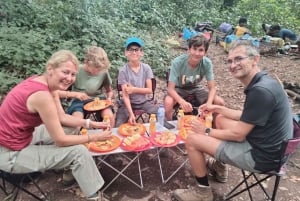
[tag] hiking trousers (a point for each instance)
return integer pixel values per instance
(42, 155)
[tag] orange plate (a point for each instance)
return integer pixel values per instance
(91, 106)
(158, 144)
(187, 119)
(141, 144)
(96, 147)
(183, 131)
(128, 129)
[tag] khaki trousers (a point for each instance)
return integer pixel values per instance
(46, 156)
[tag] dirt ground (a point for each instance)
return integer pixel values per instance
(286, 67)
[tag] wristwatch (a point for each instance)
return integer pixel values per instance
(207, 131)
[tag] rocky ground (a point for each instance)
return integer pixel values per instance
(285, 67)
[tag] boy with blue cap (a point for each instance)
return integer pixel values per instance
(135, 80)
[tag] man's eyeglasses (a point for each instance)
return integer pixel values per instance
(235, 60)
(134, 49)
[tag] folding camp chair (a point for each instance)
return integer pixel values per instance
(287, 149)
(139, 112)
(18, 182)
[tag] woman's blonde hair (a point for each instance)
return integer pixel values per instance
(96, 57)
(62, 56)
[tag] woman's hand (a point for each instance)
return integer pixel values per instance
(104, 135)
(102, 125)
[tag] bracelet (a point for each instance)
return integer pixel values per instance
(87, 123)
(88, 138)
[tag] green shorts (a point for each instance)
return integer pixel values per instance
(237, 154)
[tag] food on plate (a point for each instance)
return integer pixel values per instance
(98, 103)
(187, 120)
(165, 138)
(135, 141)
(106, 145)
(129, 129)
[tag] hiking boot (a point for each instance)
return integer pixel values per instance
(199, 193)
(217, 169)
(95, 196)
(68, 178)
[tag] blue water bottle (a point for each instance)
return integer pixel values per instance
(161, 115)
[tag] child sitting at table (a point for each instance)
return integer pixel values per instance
(135, 80)
(92, 76)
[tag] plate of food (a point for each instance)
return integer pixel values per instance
(128, 129)
(105, 145)
(164, 139)
(184, 131)
(187, 120)
(97, 104)
(135, 142)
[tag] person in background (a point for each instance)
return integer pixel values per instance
(241, 29)
(249, 139)
(91, 78)
(135, 80)
(186, 73)
(286, 34)
(31, 134)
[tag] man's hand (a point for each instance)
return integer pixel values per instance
(206, 107)
(197, 126)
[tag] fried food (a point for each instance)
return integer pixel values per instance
(165, 138)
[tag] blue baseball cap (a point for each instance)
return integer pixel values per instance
(135, 40)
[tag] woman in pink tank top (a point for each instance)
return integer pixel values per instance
(32, 110)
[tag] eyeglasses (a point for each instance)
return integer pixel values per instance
(134, 50)
(235, 60)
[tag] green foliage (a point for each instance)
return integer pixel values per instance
(32, 30)
(22, 51)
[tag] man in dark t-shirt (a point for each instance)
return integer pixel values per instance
(249, 139)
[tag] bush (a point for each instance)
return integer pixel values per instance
(32, 30)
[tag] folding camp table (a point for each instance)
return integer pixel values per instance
(101, 159)
(165, 178)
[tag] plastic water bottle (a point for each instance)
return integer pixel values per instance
(161, 115)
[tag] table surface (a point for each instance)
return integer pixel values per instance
(159, 128)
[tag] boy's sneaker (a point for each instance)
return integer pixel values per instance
(217, 169)
(199, 193)
(68, 178)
